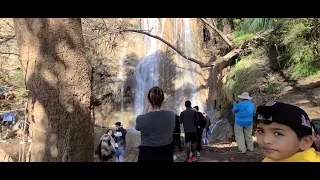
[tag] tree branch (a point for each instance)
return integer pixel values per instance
(226, 40)
(9, 53)
(6, 39)
(167, 43)
(202, 64)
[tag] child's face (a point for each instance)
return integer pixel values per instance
(277, 141)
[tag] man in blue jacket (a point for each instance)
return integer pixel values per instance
(243, 122)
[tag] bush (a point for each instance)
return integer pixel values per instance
(240, 39)
(273, 88)
(301, 55)
(243, 77)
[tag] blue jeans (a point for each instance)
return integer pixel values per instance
(120, 154)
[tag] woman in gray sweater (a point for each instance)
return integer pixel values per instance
(156, 126)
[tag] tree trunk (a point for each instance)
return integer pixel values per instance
(57, 74)
(226, 40)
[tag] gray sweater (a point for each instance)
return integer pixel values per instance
(156, 128)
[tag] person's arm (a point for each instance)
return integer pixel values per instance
(113, 142)
(196, 117)
(102, 137)
(146, 108)
(204, 122)
(207, 122)
(138, 124)
(123, 131)
(181, 118)
(235, 107)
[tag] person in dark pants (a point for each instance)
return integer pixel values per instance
(156, 126)
(200, 126)
(189, 120)
(205, 140)
(120, 138)
(177, 135)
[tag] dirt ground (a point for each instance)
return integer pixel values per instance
(12, 147)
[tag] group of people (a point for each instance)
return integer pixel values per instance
(112, 144)
(202, 125)
(284, 132)
(160, 130)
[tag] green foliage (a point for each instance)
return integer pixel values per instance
(304, 70)
(273, 88)
(253, 25)
(220, 23)
(243, 77)
(18, 79)
(240, 39)
(301, 55)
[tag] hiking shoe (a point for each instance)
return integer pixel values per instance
(198, 153)
(193, 159)
(175, 157)
(188, 160)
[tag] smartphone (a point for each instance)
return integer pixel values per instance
(316, 125)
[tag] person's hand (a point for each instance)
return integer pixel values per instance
(147, 102)
(147, 105)
(116, 145)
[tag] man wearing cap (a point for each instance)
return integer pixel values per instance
(244, 112)
(284, 133)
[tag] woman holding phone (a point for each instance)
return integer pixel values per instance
(156, 126)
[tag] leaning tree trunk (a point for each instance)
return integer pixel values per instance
(52, 53)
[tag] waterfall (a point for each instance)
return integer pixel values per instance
(187, 70)
(191, 73)
(147, 71)
(121, 77)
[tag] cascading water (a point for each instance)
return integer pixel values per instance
(121, 77)
(147, 71)
(189, 48)
(187, 70)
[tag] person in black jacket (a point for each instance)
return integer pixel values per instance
(200, 126)
(120, 138)
(177, 135)
(189, 119)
